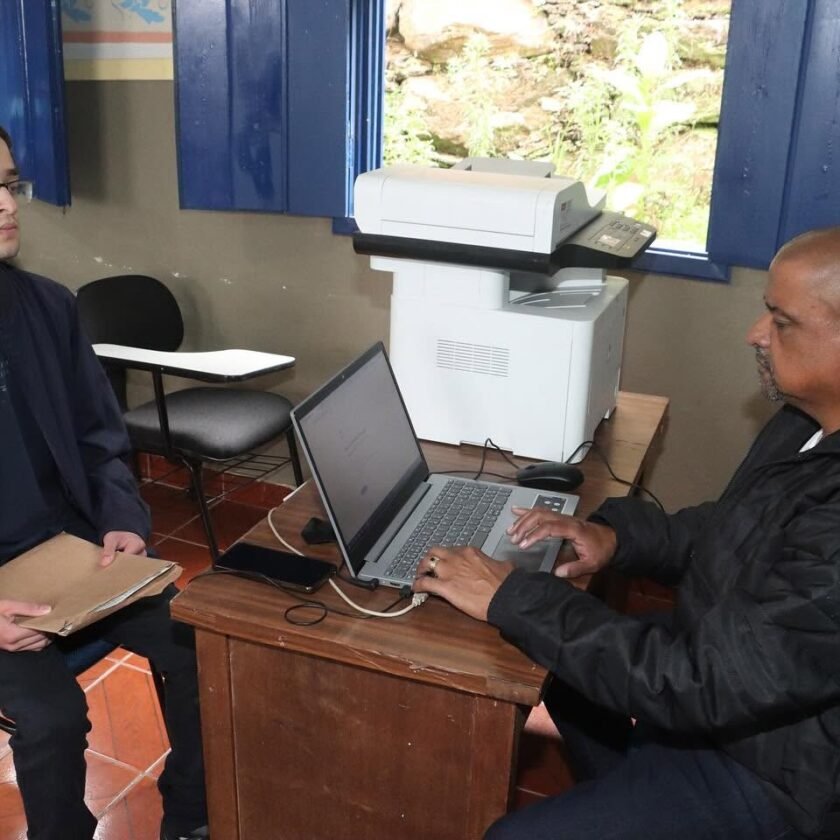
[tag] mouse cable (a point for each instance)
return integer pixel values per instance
(631, 484)
(488, 442)
(416, 600)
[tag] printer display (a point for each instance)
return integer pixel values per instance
(504, 324)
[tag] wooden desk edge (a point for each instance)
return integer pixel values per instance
(525, 688)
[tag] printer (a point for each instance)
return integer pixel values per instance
(504, 323)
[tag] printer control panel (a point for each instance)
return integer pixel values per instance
(618, 235)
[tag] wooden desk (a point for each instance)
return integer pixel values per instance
(398, 728)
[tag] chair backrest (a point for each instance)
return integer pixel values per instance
(131, 309)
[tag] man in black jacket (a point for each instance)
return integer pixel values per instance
(737, 697)
(62, 469)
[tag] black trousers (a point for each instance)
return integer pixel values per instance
(43, 698)
(636, 783)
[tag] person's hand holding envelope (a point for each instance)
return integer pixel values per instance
(77, 583)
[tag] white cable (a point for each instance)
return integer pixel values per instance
(275, 532)
(416, 600)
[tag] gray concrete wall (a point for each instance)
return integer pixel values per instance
(285, 284)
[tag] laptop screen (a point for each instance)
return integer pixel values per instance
(362, 450)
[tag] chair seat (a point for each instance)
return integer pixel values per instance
(212, 423)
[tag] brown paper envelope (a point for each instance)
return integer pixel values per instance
(64, 572)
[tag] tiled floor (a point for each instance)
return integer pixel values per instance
(127, 744)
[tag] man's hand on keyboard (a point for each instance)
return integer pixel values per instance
(594, 544)
(466, 577)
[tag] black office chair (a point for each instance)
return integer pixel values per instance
(82, 652)
(199, 424)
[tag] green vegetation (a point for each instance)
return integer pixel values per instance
(627, 118)
(406, 137)
(625, 125)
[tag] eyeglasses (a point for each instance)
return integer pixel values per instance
(19, 190)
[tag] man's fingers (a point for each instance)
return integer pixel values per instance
(541, 531)
(572, 570)
(32, 645)
(426, 583)
(27, 608)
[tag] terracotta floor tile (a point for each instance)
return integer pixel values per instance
(521, 799)
(118, 655)
(115, 824)
(262, 494)
(126, 720)
(139, 662)
(230, 521)
(11, 805)
(13, 828)
(194, 558)
(170, 506)
(96, 671)
(542, 766)
(144, 809)
(106, 780)
(157, 468)
(7, 770)
(155, 771)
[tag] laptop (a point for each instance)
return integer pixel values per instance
(385, 507)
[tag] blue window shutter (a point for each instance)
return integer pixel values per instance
(319, 106)
(813, 196)
(274, 104)
(367, 91)
(32, 94)
(763, 66)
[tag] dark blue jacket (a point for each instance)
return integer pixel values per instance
(752, 661)
(67, 391)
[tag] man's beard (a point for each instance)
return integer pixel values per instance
(768, 381)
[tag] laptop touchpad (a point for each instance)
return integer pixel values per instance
(531, 559)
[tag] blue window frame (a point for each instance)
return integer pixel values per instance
(776, 172)
(32, 94)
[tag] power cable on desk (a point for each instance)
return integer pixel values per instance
(632, 484)
(417, 598)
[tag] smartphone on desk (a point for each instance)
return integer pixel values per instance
(303, 573)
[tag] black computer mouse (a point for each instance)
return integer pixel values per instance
(550, 475)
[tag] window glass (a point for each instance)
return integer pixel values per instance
(623, 96)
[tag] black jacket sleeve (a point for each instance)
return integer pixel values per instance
(765, 653)
(652, 543)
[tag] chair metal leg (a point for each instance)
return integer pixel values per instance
(293, 454)
(198, 488)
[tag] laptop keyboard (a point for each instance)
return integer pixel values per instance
(463, 514)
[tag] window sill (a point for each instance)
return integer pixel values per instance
(682, 263)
